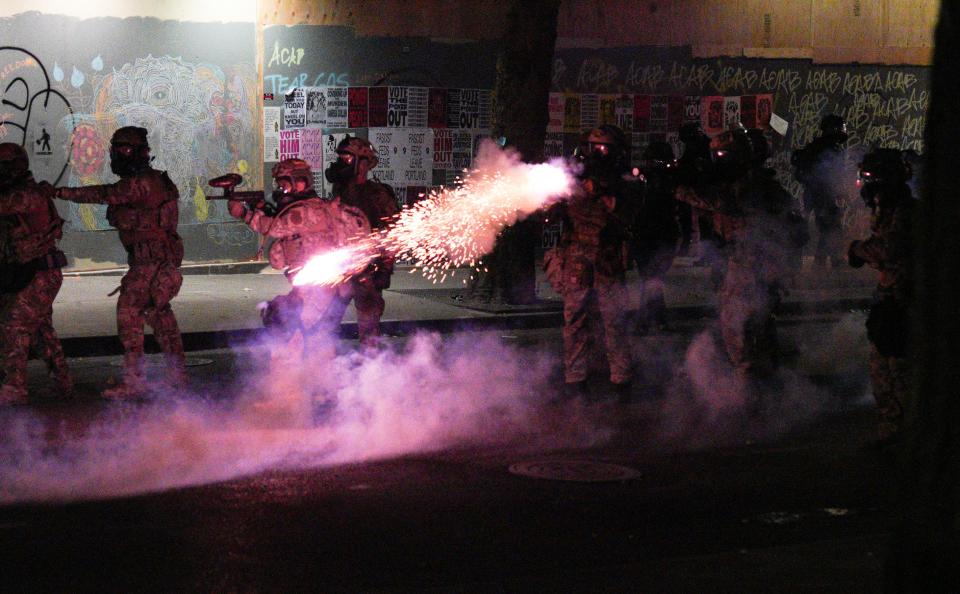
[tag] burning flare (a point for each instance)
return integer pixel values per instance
(454, 226)
(334, 267)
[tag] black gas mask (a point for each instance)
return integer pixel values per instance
(127, 159)
(342, 170)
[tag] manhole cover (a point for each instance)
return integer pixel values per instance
(582, 471)
(157, 362)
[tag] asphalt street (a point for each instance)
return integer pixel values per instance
(474, 481)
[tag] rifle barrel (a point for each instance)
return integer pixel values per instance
(246, 196)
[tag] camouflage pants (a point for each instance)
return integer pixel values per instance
(747, 326)
(593, 316)
(369, 303)
(889, 377)
(27, 317)
(145, 294)
(829, 234)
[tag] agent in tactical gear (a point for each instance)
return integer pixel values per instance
(30, 275)
(589, 264)
(655, 233)
(348, 174)
(822, 169)
(302, 225)
(143, 206)
(883, 186)
(751, 211)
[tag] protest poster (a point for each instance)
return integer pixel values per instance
(417, 99)
(405, 154)
(290, 144)
(377, 102)
(731, 112)
(443, 148)
(437, 108)
(337, 108)
(357, 107)
(295, 109)
(555, 104)
(589, 111)
(271, 133)
(316, 107)
(624, 107)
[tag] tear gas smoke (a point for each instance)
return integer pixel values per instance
(430, 395)
(456, 226)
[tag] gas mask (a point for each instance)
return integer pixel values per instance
(129, 151)
(292, 180)
(342, 170)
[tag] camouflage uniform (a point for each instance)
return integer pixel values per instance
(888, 249)
(752, 216)
(821, 169)
(31, 269)
(143, 206)
(588, 268)
(300, 230)
(378, 202)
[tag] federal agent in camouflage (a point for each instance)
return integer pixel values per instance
(884, 174)
(356, 157)
(752, 212)
(589, 264)
(303, 225)
(143, 206)
(30, 275)
(822, 169)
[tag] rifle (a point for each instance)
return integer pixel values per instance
(253, 198)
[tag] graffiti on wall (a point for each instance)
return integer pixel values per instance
(200, 119)
(63, 99)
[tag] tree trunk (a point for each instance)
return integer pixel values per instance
(925, 556)
(524, 69)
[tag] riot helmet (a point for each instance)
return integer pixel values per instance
(603, 151)
(129, 150)
(14, 164)
(732, 153)
(882, 169)
(351, 152)
(293, 181)
(834, 127)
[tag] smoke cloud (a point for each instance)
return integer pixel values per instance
(428, 395)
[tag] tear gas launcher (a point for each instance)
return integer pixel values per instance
(229, 181)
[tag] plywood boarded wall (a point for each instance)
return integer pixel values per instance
(829, 31)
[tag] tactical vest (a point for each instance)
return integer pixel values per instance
(35, 234)
(309, 227)
(148, 231)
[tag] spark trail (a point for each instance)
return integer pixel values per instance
(454, 226)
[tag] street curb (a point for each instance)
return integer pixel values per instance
(186, 269)
(95, 346)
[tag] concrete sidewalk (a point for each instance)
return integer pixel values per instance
(217, 305)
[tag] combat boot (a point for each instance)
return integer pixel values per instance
(133, 386)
